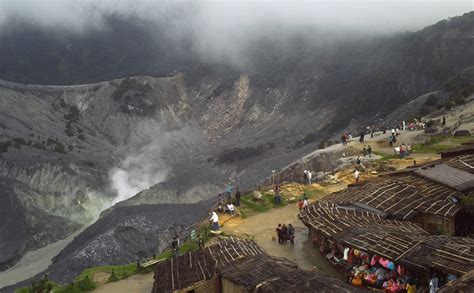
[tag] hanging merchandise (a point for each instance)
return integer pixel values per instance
(401, 270)
(346, 252)
(375, 260)
(387, 264)
(350, 256)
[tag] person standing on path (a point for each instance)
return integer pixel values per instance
(444, 121)
(277, 195)
(369, 151)
(300, 204)
(310, 176)
(238, 194)
(279, 234)
(284, 234)
(200, 242)
(215, 221)
(434, 283)
(175, 245)
(356, 175)
(229, 193)
(305, 177)
(291, 234)
(305, 201)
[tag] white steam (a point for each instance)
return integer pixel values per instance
(144, 167)
(138, 172)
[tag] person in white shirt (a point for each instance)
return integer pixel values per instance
(356, 175)
(305, 202)
(215, 221)
(231, 209)
(309, 177)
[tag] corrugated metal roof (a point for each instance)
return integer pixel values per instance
(449, 176)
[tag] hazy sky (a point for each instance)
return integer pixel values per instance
(225, 31)
(233, 16)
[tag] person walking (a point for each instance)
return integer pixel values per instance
(369, 151)
(361, 139)
(310, 176)
(444, 121)
(215, 221)
(356, 175)
(364, 151)
(305, 177)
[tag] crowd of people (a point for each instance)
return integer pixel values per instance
(225, 206)
(285, 233)
(346, 138)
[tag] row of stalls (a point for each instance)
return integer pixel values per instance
(428, 194)
(236, 266)
(397, 230)
(388, 254)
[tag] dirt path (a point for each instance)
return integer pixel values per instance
(261, 228)
(141, 283)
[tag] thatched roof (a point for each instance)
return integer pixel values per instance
(400, 241)
(400, 196)
(267, 274)
(243, 263)
(194, 267)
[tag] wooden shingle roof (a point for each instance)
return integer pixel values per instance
(401, 196)
(400, 241)
(265, 274)
(195, 267)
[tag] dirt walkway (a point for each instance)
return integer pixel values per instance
(136, 284)
(261, 228)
